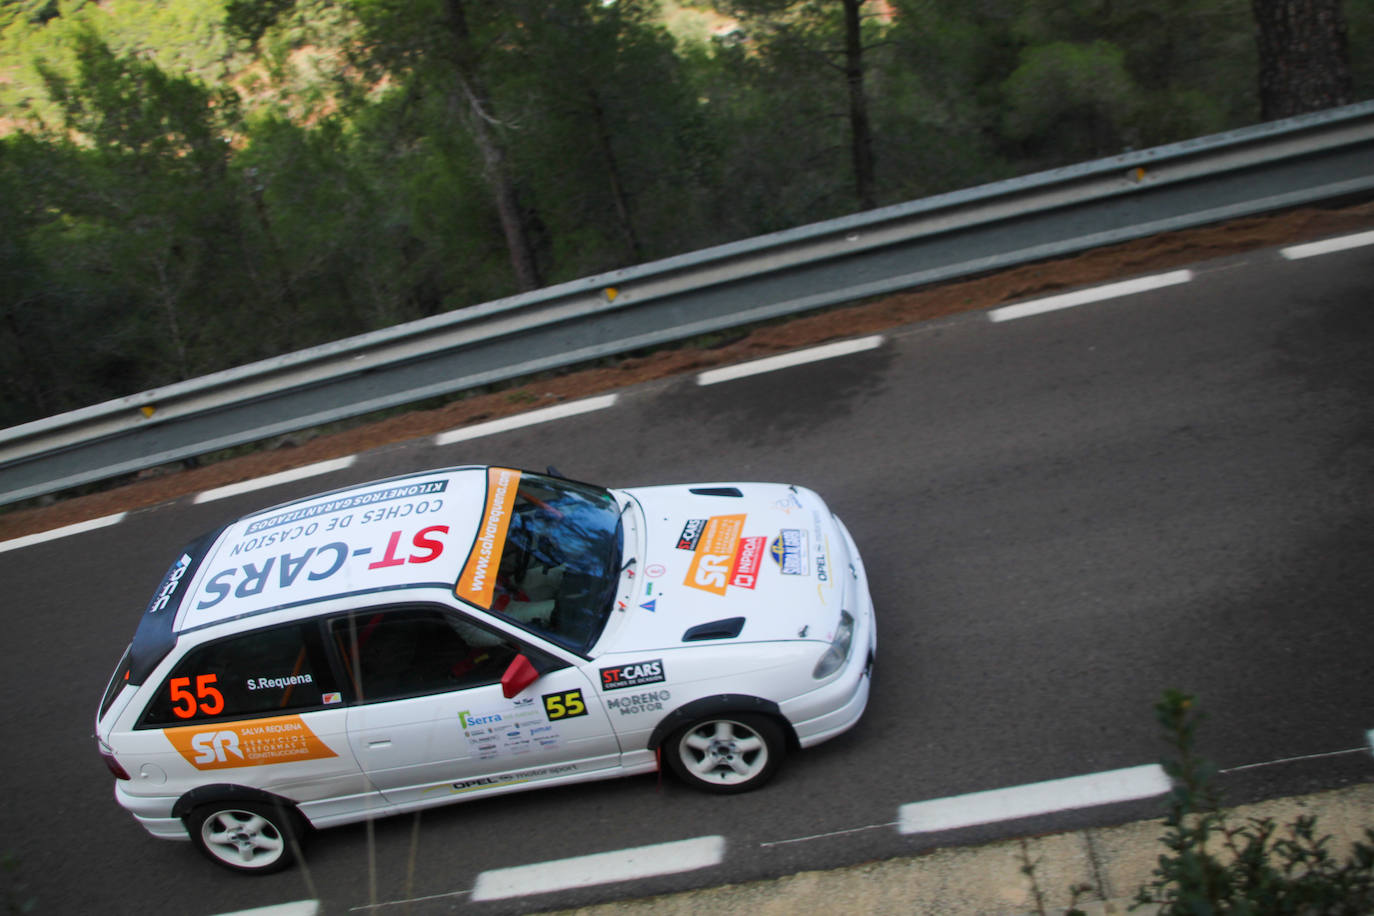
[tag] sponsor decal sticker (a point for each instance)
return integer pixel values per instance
(478, 580)
(259, 742)
(691, 533)
(288, 571)
(654, 570)
(714, 556)
(639, 703)
(789, 552)
(633, 675)
(650, 605)
(270, 683)
(344, 503)
(170, 583)
(745, 572)
(504, 734)
(487, 782)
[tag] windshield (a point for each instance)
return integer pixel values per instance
(559, 565)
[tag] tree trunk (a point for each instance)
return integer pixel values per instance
(860, 133)
(482, 121)
(1304, 60)
(622, 203)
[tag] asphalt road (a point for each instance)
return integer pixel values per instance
(1061, 515)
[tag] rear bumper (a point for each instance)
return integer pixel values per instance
(153, 813)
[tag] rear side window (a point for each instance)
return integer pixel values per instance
(117, 682)
(264, 672)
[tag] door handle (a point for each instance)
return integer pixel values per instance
(379, 742)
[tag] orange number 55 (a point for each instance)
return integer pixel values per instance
(184, 704)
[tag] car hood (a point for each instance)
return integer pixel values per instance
(730, 562)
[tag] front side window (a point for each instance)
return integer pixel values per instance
(555, 546)
(264, 672)
(415, 651)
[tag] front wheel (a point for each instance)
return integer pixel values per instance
(731, 752)
(246, 836)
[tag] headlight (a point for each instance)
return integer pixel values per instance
(838, 653)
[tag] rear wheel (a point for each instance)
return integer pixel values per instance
(731, 752)
(246, 836)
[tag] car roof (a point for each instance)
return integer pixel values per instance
(406, 532)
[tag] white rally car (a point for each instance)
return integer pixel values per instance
(474, 631)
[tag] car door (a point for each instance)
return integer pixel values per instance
(430, 719)
(258, 709)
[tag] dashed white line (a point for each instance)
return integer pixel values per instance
(298, 908)
(1036, 798)
(29, 540)
(556, 412)
(272, 480)
(601, 868)
(1327, 246)
(1085, 296)
(785, 360)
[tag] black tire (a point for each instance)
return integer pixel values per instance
(249, 837)
(727, 752)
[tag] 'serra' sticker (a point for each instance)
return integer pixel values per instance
(714, 556)
(478, 580)
(259, 742)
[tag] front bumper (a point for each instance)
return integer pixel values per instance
(827, 711)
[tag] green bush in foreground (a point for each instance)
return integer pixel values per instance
(1214, 867)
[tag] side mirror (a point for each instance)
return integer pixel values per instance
(520, 674)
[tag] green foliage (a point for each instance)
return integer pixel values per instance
(1071, 98)
(188, 185)
(1214, 866)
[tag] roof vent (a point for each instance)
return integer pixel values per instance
(732, 492)
(728, 628)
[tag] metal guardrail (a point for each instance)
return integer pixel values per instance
(1253, 170)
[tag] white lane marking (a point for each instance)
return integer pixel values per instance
(556, 412)
(1085, 296)
(29, 540)
(272, 480)
(298, 908)
(1036, 798)
(601, 868)
(795, 358)
(1327, 246)
(1274, 763)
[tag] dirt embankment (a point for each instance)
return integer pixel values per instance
(1120, 261)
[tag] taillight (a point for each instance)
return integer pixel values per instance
(118, 771)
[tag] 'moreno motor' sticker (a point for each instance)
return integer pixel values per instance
(478, 580)
(714, 555)
(259, 742)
